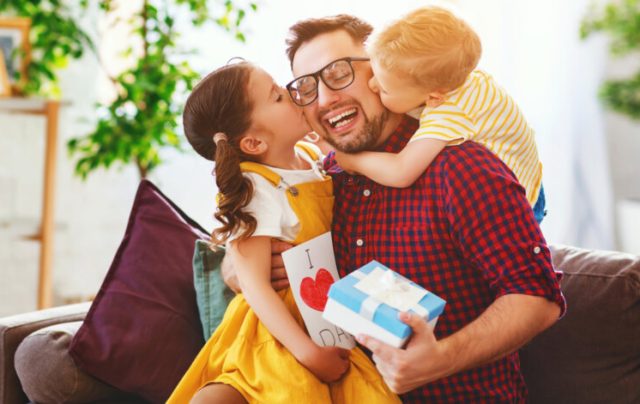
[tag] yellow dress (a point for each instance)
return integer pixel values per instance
(242, 352)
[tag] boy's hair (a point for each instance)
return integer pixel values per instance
(305, 30)
(433, 47)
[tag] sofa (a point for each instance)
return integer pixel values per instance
(591, 355)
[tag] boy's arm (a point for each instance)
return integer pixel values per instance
(394, 170)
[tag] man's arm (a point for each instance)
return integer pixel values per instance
(493, 228)
(506, 325)
(279, 278)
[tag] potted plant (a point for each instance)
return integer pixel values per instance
(49, 53)
(143, 117)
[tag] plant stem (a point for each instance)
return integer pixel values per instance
(142, 168)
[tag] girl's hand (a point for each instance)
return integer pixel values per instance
(328, 364)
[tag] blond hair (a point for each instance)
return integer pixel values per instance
(433, 47)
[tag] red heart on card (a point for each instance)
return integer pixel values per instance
(314, 293)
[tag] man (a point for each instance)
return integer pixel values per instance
(464, 231)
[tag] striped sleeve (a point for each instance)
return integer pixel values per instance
(446, 122)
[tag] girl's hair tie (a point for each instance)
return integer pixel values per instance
(218, 137)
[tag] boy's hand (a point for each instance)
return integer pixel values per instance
(329, 364)
(347, 161)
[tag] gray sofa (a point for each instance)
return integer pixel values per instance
(591, 355)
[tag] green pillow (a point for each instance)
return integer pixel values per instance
(212, 294)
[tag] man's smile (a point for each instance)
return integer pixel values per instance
(341, 120)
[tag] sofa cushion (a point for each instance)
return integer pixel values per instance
(592, 354)
(212, 294)
(143, 331)
(14, 329)
(48, 374)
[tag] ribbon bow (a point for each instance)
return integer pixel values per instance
(388, 288)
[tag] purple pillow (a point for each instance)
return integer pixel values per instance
(142, 331)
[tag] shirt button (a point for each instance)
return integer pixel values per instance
(359, 242)
(536, 250)
(366, 192)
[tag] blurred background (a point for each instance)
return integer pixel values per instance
(590, 152)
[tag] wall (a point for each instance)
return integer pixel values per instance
(623, 136)
(90, 216)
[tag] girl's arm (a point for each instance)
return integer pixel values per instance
(279, 278)
(253, 267)
(394, 170)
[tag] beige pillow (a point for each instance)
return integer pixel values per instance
(49, 375)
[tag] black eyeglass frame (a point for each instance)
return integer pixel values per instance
(318, 74)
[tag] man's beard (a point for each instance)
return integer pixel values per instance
(365, 140)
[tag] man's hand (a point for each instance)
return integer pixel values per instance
(279, 278)
(506, 325)
(422, 361)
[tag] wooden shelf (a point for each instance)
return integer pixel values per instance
(49, 109)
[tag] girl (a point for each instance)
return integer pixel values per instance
(270, 186)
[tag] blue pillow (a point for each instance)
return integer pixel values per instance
(212, 294)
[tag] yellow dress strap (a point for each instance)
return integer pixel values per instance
(270, 175)
(307, 148)
(266, 172)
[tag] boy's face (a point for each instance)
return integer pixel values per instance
(397, 93)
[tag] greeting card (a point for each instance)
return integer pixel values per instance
(311, 268)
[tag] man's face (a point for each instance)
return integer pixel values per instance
(352, 119)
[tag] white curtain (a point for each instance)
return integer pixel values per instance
(534, 49)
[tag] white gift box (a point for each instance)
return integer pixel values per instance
(368, 301)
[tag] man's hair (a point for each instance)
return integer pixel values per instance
(305, 30)
(430, 45)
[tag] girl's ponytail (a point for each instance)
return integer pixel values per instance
(235, 192)
(216, 116)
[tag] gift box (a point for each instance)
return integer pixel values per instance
(368, 301)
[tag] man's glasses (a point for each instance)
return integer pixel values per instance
(336, 75)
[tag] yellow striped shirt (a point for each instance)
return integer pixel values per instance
(481, 111)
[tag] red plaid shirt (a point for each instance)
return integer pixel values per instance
(465, 231)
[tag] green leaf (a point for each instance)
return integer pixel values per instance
(620, 20)
(143, 118)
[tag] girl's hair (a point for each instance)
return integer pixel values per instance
(221, 103)
(430, 45)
